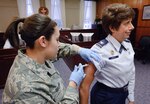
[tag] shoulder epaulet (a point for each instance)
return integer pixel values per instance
(102, 43)
(127, 40)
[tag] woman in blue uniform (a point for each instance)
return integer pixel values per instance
(115, 75)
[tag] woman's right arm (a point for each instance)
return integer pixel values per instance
(67, 50)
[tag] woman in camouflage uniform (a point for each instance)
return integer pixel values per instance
(33, 79)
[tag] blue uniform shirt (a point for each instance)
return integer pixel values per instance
(118, 68)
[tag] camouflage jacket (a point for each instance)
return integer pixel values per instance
(31, 83)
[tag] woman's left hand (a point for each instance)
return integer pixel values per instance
(89, 55)
(92, 56)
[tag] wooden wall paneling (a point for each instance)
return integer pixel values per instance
(140, 7)
(144, 23)
(100, 7)
(143, 26)
(132, 3)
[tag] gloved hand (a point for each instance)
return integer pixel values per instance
(89, 55)
(78, 74)
(92, 56)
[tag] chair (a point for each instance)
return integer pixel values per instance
(6, 60)
(144, 49)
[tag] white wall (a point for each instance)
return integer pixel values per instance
(72, 12)
(8, 10)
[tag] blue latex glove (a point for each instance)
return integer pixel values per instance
(89, 55)
(78, 74)
(92, 56)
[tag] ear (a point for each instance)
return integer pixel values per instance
(112, 29)
(42, 41)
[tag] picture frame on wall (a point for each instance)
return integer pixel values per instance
(146, 12)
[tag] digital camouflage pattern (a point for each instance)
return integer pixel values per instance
(31, 83)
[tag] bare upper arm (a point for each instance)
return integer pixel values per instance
(89, 71)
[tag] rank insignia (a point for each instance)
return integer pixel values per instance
(112, 52)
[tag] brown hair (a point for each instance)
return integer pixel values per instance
(114, 14)
(33, 27)
(46, 10)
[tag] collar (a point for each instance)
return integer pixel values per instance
(115, 43)
(33, 65)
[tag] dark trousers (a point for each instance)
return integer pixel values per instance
(102, 94)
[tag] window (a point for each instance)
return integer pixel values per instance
(88, 15)
(56, 12)
(29, 8)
